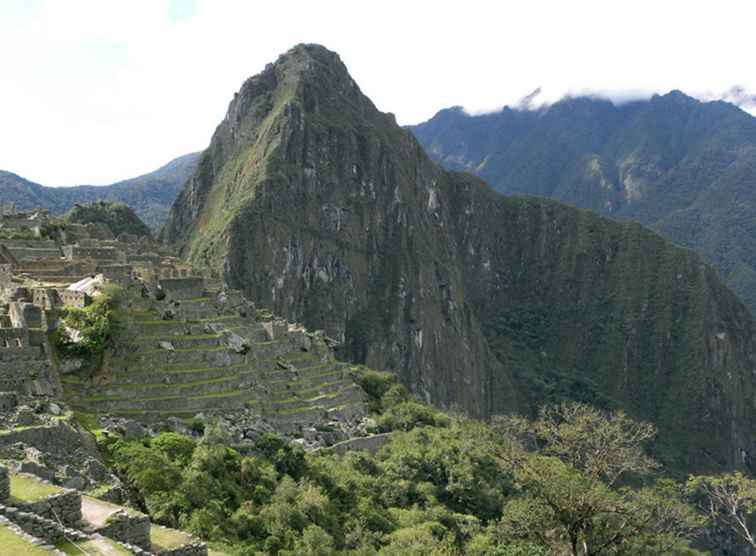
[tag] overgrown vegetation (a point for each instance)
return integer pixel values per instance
(88, 331)
(118, 217)
(575, 480)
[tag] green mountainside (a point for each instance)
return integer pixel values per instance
(323, 209)
(118, 217)
(683, 167)
(149, 195)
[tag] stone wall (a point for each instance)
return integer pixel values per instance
(370, 444)
(64, 507)
(74, 298)
(48, 530)
(4, 484)
(118, 273)
(46, 298)
(128, 528)
(24, 314)
(59, 437)
(72, 252)
(32, 540)
(5, 275)
(14, 339)
(24, 367)
(183, 288)
(8, 402)
(197, 549)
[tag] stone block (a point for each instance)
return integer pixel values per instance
(4, 484)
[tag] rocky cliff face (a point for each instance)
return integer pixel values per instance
(322, 208)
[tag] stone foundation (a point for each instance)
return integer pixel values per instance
(198, 549)
(40, 527)
(129, 529)
(32, 540)
(64, 507)
(4, 484)
(183, 288)
(369, 444)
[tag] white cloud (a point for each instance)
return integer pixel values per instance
(95, 91)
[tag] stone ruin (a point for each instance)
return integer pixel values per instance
(67, 515)
(190, 349)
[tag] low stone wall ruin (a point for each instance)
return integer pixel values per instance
(64, 507)
(31, 539)
(197, 549)
(48, 530)
(370, 444)
(183, 288)
(4, 484)
(128, 528)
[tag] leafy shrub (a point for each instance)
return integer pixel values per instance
(94, 325)
(409, 414)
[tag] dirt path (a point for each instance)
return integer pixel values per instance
(95, 512)
(105, 547)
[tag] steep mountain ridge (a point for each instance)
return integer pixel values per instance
(322, 208)
(683, 167)
(150, 195)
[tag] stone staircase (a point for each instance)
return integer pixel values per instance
(179, 358)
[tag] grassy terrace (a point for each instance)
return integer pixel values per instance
(169, 337)
(98, 547)
(193, 376)
(25, 490)
(167, 539)
(11, 543)
(180, 385)
(167, 369)
(154, 322)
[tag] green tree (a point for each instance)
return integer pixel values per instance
(568, 485)
(727, 500)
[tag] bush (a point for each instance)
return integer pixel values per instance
(409, 414)
(93, 325)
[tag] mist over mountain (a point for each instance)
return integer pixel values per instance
(685, 168)
(150, 195)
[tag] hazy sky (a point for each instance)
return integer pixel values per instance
(97, 91)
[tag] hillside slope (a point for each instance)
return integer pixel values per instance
(321, 207)
(683, 167)
(118, 217)
(149, 195)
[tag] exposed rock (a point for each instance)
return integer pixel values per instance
(133, 429)
(236, 342)
(458, 289)
(76, 483)
(166, 345)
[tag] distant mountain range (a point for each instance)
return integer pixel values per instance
(150, 195)
(685, 168)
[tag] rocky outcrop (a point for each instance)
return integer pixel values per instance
(321, 208)
(129, 528)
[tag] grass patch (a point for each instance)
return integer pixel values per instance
(168, 337)
(24, 489)
(166, 539)
(13, 544)
(92, 548)
(87, 420)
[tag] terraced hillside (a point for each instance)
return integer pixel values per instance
(178, 358)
